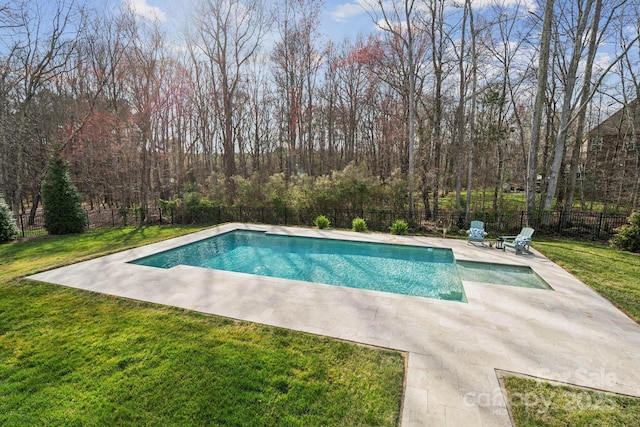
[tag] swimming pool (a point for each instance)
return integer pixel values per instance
(520, 276)
(403, 269)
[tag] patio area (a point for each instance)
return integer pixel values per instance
(455, 351)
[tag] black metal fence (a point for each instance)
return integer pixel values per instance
(579, 225)
(30, 226)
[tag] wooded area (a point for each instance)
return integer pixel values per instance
(254, 106)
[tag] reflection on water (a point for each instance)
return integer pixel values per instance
(409, 270)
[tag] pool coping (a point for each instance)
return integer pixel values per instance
(454, 349)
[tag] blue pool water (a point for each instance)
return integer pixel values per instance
(409, 270)
(500, 274)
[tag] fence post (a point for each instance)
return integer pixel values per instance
(22, 225)
(521, 219)
(561, 223)
(599, 229)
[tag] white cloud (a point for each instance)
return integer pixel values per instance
(344, 11)
(382, 24)
(142, 8)
(353, 8)
(528, 5)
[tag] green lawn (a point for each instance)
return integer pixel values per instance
(70, 357)
(616, 275)
(538, 403)
(510, 201)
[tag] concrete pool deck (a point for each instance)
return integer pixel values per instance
(456, 351)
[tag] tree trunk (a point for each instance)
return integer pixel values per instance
(567, 107)
(145, 179)
(460, 112)
(34, 208)
(543, 69)
(437, 48)
(582, 114)
(472, 116)
(412, 103)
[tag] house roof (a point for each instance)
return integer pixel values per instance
(618, 122)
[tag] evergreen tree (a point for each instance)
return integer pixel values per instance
(8, 227)
(63, 212)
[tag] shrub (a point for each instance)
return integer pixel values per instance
(322, 222)
(168, 207)
(8, 227)
(355, 185)
(248, 191)
(359, 225)
(62, 203)
(628, 237)
(276, 190)
(198, 209)
(123, 213)
(202, 209)
(395, 190)
(399, 227)
(138, 212)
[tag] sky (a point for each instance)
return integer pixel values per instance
(340, 19)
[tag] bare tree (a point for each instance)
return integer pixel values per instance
(460, 119)
(228, 35)
(585, 96)
(630, 88)
(543, 67)
(472, 118)
(260, 129)
(145, 61)
(571, 70)
(42, 52)
(505, 36)
(296, 65)
(349, 86)
(572, 108)
(397, 19)
(7, 85)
